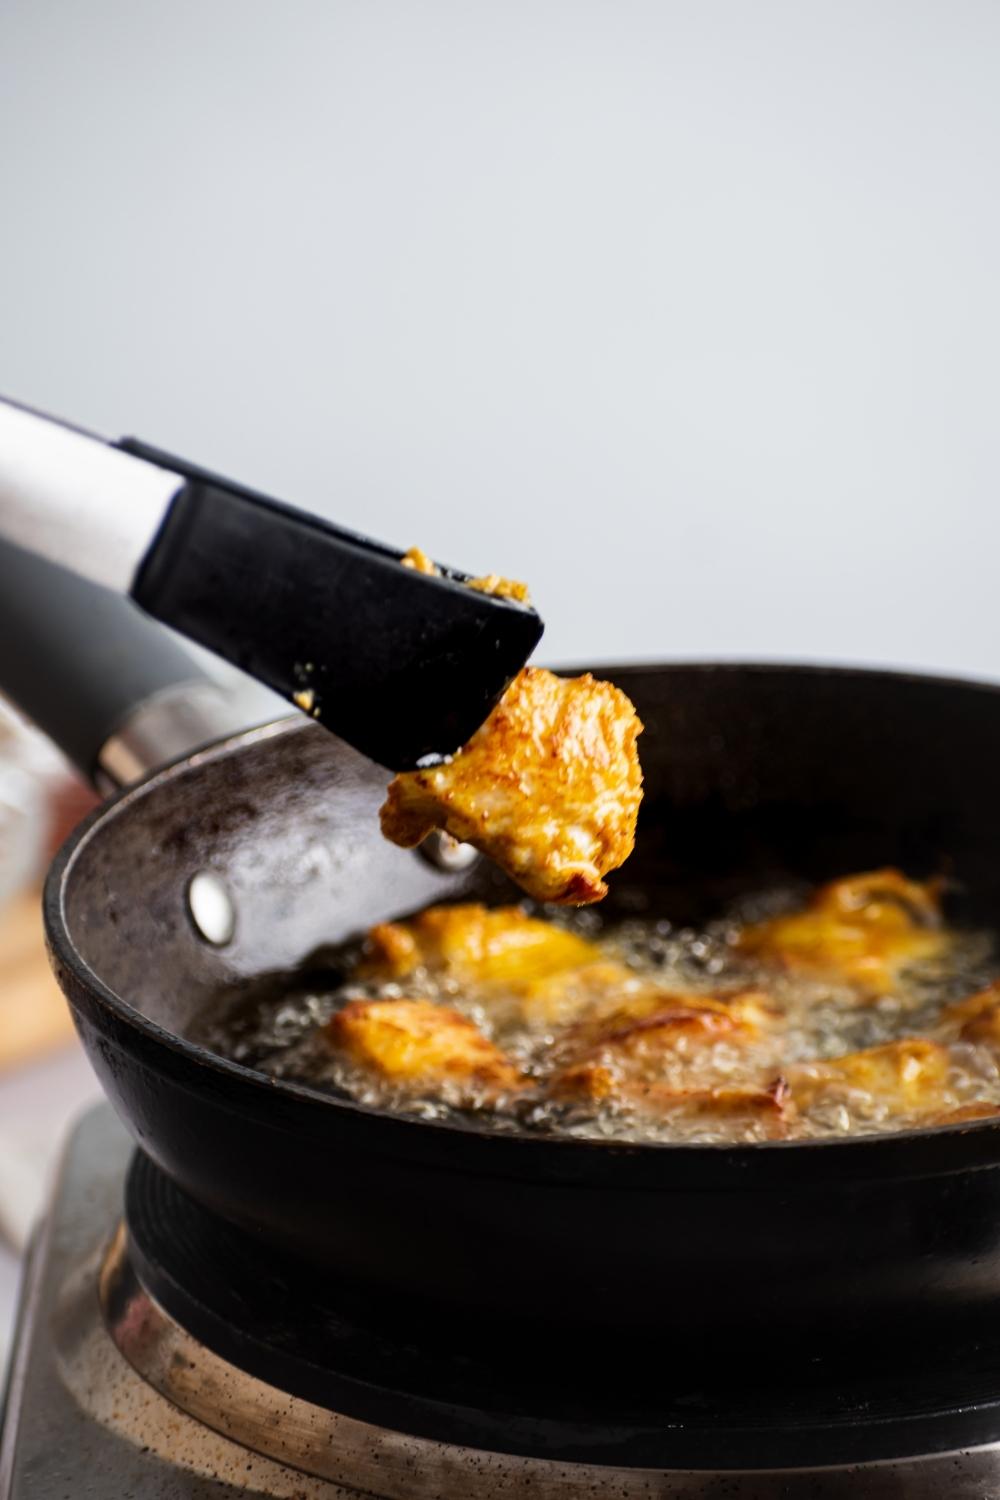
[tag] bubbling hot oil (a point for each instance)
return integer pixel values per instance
(277, 1026)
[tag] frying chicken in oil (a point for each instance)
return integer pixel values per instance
(654, 1052)
(549, 787)
(865, 929)
(519, 968)
(417, 1045)
(616, 1025)
(477, 944)
(564, 1022)
(765, 1105)
(908, 1076)
(653, 1018)
(976, 1019)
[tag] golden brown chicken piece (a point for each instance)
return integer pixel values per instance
(908, 1076)
(965, 1114)
(652, 1020)
(549, 787)
(413, 1044)
(549, 975)
(561, 997)
(474, 943)
(584, 1082)
(769, 1104)
(976, 1019)
(651, 1053)
(515, 965)
(589, 1083)
(863, 929)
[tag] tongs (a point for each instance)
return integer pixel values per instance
(402, 664)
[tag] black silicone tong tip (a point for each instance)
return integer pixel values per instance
(402, 665)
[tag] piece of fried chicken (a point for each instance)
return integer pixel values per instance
(976, 1019)
(474, 944)
(765, 1105)
(907, 1077)
(515, 966)
(653, 1020)
(863, 929)
(535, 973)
(519, 968)
(652, 1053)
(416, 1045)
(549, 787)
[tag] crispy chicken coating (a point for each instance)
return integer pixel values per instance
(964, 1114)
(648, 1055)
(767, 1104)
(976, 1019)
(653, 1019)
(417, 559)
(491, 583)
(474, 943)
(908, 1076)
(516, 966)
(502, 588)
(562, 996)
(549, 787)
(414, 1044)
(863, 929)
(595, 1035)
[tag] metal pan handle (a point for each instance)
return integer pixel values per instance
(117, 692)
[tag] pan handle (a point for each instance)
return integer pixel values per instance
(117, 692)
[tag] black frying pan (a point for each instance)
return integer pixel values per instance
(753, 774)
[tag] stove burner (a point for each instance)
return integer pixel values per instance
(176, 1420)
(183, 1283)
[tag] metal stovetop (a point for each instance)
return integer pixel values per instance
(80, 1421)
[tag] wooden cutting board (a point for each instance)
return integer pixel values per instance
(34, 1017)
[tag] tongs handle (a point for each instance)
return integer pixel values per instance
(117, 692)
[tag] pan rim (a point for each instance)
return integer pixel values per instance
(63, 952)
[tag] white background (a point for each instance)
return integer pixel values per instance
(688, 313)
